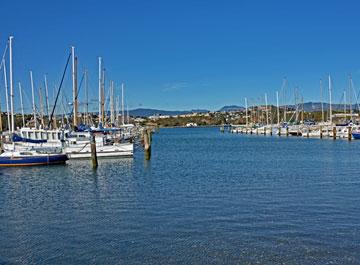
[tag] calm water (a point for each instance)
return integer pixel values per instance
(205, 197)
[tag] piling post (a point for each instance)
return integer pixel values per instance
(264, 130)
(334, 132)
(149, 133)
(1, 143)
(321, 132)
(308, 132)
(257, 131)
(349, 133)
(93, 151)
(279, 131)
(287, 131)
(147, 143)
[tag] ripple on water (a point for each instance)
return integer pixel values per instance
(204, 197)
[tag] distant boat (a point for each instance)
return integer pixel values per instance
(191, 124)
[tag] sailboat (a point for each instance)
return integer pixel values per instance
(30, 156)
(76, 144)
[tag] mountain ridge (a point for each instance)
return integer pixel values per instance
(308, 107)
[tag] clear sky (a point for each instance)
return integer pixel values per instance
(187, 54)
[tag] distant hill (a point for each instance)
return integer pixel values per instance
(308, 107)
(142, 112)
(316, 106)
(232, 108)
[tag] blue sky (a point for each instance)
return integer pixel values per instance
(188, 54)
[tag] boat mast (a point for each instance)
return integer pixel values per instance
(103, 97)
(41, 107)
(117, 111)
(278, 109)
(296, 105)
(246, 112)
(267, 113)
(345, 103)
(54, 111)
(284, 94)
(128, 116)
(99, 89)
(33, 99)
(330, 110)
(112, 114)
(350, 96)
(74, 83)
(86, 98)
(122, 103)
(22, 106)
(11, 85)
(302, 109)
(6, 95)
(321, 98)
(47, 97)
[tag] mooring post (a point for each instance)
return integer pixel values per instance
(334, 132)
(264, 130)
(321, 132)
(147, 143)
(279, 131)
(149, 133)
(1, 143)
(308, 132)
(349, 133)
(257, 131)
(93, 151)
(287, 131)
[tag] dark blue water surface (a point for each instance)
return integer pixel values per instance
(205, 197)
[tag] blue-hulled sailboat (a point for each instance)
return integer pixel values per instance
(31, 158)
(356, 134)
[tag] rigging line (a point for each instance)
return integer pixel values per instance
(81, 81)
(4, 54)
(58, 92)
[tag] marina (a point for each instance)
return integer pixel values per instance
(179, 132)
(46, 143)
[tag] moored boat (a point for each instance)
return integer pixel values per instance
(31, 158)
(356, 134)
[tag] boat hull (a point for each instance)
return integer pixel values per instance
(116, 150)
(43, 160)
(83, 150)
(356, 135)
